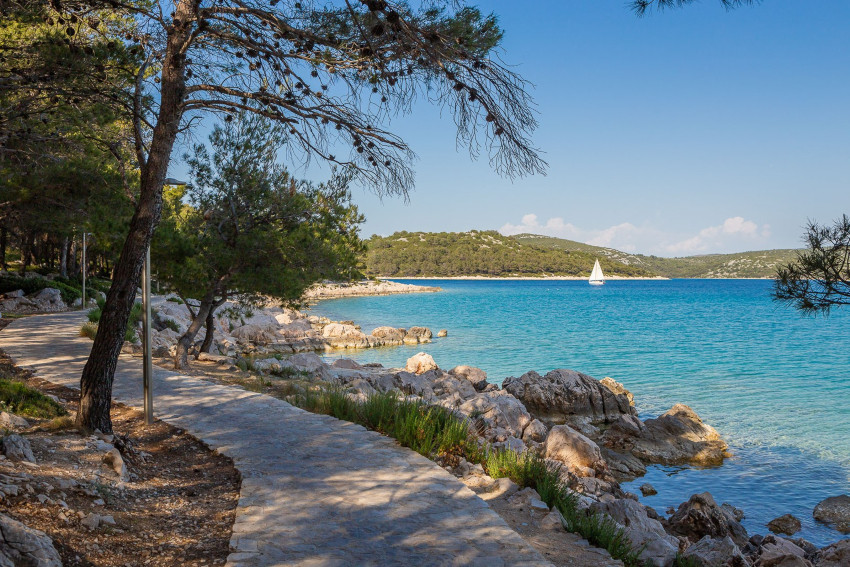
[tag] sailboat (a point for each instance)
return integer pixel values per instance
(596, 276)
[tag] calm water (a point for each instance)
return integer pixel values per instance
(774, 384)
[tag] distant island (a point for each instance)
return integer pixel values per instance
(480, 253)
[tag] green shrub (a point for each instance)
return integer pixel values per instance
(176, 300)
(170, 324)
(21, 400)
(12, 282)
(94, 314)
(90, 329)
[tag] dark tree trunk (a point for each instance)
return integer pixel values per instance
(210, 336)
(27, 244)
(181, 357)
(99, 372)
(4, 235)
(73, 267)
(63, 257)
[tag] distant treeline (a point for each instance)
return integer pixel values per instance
(478, 253)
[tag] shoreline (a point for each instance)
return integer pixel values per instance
(363, 288)
(520, 278)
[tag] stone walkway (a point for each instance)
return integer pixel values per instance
(315, 490)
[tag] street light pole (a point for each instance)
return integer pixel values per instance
(147, 367)
(147, 321)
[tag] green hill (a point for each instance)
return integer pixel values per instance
(758, 264)
(480, 253)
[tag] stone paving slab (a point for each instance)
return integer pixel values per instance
(316, 491)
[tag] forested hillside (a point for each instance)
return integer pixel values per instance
(479, 253)
(758, 264)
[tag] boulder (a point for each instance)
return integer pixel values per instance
(647, 489)
(787, 524)
(623, 466)
(25, 546)
(700, 516)
(442, 333)
(644, 532)
(296, 329)
(346, 363)
(16, 448)
(709, 552)
(834, 511)
(412, 384)
(496, 415)
(618, 389)
(48, 299)
(779, 552)
(535, 431)
(581, 455)
(677, 437)
(115, 462)
(420, 363)
(475, 376)
(12, 421)
(389, 335)
(566, 396)
(416, 335)
(835, 555)
(252, 334)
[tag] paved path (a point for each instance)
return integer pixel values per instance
(315, 490)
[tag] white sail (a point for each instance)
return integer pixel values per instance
(596, 276)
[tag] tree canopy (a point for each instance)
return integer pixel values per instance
(820, 277)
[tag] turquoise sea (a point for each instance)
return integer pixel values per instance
(776, 385)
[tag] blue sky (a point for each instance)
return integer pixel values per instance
(684, 132)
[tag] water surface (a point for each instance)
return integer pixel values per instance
(776, 385)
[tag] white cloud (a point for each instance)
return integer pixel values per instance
(733, 234)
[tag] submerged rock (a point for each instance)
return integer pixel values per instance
(566, 396)
(677, 437)
(787, 524)
(834, 511)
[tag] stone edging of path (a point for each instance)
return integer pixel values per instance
(315, 490)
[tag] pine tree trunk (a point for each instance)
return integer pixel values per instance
(72, 258)
(210, 328)
(4, 235)
(184, 343)
(28, 242)
(99, 372)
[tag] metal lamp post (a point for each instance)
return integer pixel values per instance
(147, 338)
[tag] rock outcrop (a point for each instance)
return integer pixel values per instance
(647, 533)
(581, 455)
(835, 555)
(25, 546)
(700, 516)
(569, 397)
(677, 437)
(720, 552)
(16, 448)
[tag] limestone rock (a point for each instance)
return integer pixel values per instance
(623, 466)
(16, 448)
(835, 555)
(647, 489)
(779, 552)
(496, 415)
(709, 552)
(787, 524)
(700, 516)
(618, 389)
(581, 455)
(475, 376)
(253, 334)
(25, 546)
(554, 520)
(417, 335)
(308, 362)
(535, 431)
(834, 511)
(115, 462)
(677, 437)
(420, 363)
(660, 548)
(442, 333)
(12, 421)
(567, 396)
(389, 335)
(346, 363)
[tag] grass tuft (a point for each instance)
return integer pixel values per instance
(88, 330)
(28, 402)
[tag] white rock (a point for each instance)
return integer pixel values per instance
(420, 363)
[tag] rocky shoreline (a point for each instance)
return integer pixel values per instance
(589, 429)
(365, 288)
